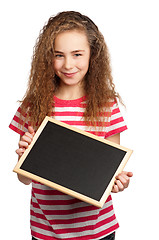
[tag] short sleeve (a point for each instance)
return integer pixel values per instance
(17, 123)
(116, 122)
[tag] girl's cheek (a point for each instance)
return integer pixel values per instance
(57, 65)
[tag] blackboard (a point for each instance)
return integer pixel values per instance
(73, 161)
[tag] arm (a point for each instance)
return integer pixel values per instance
(123, 179)
(24, 142)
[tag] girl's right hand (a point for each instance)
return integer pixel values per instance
(25, 141)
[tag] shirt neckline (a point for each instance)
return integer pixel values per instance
(69, 102)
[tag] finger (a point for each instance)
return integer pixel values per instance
(115, 189)
(124, 180)
(28, 135)
(129, 174)
(20, 151)
(31, 130)
(122, 175)
(23, 144)
(27, 138)
(119, 185)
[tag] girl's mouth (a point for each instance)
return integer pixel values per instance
(69, 75)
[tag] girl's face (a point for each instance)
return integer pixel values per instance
(71, 59)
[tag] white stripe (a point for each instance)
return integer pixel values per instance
(69, 118)
(116, 116)
(17, 125)
(53, 197)
(41, 186)
(69, 109)
(44, 232)
(20, 116)
(115, 105)
(116, 126)
(36, 210)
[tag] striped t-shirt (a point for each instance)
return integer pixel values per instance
(55, 215)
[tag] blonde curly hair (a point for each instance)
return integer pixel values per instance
(43, 82)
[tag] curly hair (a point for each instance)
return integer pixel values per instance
(43, 82)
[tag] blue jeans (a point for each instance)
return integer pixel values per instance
(109, 237)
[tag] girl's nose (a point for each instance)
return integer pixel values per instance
(68, 64)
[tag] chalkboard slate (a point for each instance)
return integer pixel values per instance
(73, 161)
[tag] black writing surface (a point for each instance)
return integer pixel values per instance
(73, 160)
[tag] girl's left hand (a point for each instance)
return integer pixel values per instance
(122, 181)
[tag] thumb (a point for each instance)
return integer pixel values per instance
(129, 174)
(31, 130)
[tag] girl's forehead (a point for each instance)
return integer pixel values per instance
(69, 40)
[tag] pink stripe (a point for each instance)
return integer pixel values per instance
(82, 123)
(106, 210)
(63, 105)
(16, 130)
(35, 205)
(20, 122)
(41, 226)
(103, 233)
(42, 236)
(47, 192)
(37, 215)
(116, 131)
(74, 220)
(115, 111)
(73, 114)
(70, 211)
(117, 120)
(58, 202)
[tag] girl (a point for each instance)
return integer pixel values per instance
(71, 81)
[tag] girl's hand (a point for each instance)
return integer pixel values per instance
(25, 140)
(122, 181)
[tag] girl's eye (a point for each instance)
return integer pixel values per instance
(78, 55)
(58, 55)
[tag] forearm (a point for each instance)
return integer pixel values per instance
(24, 180)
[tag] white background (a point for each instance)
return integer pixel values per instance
(130, 28)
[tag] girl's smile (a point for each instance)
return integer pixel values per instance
(71, 57)
(69, 75)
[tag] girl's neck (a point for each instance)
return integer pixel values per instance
(69, 93)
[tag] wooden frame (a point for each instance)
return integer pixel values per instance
(53, 184)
